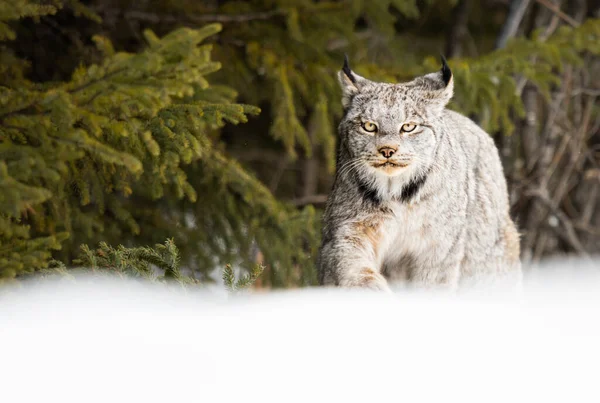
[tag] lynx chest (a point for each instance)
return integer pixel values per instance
(408, 236)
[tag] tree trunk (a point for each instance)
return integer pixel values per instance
(460, 17)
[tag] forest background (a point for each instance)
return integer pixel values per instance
(208, 128)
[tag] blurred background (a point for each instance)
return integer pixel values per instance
(208, 128)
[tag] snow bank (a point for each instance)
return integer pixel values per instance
(124, 342)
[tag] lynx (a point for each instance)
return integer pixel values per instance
(419, 195)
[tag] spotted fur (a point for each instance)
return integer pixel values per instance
(433, 213)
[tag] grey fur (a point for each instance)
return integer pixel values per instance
(439, 216)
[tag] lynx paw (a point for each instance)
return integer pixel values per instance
(370, 279)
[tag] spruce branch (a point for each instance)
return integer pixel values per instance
(197, 19)
(229, 278)
(234, 285)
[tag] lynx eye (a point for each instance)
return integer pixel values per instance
(369, 127)
(408, 127)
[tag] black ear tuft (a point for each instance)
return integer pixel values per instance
(346, 69)
(446, 72)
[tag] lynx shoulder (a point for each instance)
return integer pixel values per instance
(419, 193)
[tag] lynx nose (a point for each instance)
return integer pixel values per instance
(387, 152)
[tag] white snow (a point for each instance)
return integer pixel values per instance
(125, 342)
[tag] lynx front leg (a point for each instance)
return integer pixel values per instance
(365, 278)
(349, 259)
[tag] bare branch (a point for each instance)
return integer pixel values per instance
(190, 18)
(458, 30)
(554, 8)
(312, 199)
(586, 91)
(569, 235)
(513, 20)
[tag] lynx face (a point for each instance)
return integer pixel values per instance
(389, 130)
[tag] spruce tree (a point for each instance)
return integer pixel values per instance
(108, 154)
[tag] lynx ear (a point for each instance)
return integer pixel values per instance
(448, 80)
(439, 87)
(350, 82)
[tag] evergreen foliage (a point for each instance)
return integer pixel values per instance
(135, 262)
(108, 154)
(158, 264)
(243, 282)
